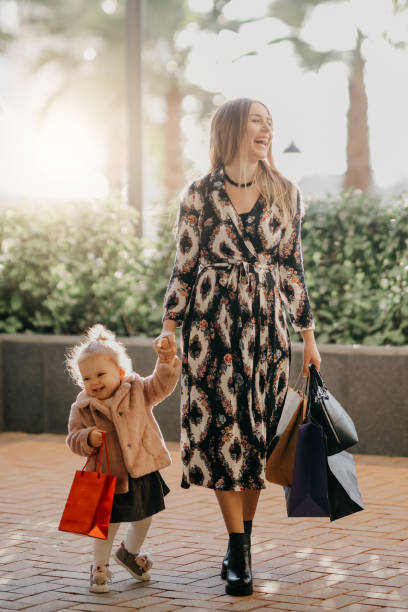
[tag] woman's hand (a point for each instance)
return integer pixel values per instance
(310, 352)
(95, 437)
(165, 346)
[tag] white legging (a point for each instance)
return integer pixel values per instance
(135, 536)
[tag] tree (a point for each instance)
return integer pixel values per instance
(165, 64)
(86, 46)
(295, 14)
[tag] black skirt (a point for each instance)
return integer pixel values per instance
(144, 498)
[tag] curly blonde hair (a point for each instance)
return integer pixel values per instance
(97, 339)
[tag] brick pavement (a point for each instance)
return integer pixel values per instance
(359, 563)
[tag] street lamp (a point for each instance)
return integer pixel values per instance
(292, 148)
(293, 163)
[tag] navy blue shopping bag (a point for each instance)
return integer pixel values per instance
(309, 495)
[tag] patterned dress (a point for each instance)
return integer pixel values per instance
(230, 279)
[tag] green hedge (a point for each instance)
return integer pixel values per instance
(356, 257)
(66, 267)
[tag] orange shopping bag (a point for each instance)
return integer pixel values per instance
(89, 505)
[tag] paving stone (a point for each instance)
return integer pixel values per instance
(193, 609)
(100, 607)
(51, 606)
(363, 608)
(387, 603)
(357, 564)
(242, 606)
(213, 604)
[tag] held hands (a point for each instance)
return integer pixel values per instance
(166, 347)
(95, 437)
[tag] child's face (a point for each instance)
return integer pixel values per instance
(101, 375)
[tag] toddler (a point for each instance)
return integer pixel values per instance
(119, 402)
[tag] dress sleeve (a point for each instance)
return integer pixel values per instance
(187, 257)
(291, 273)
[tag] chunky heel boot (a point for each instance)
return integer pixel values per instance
(224, 566)
(239, 573)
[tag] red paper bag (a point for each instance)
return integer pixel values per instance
(89, 505)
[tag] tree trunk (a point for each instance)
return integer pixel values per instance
(358, 174)
(115, 159)
(134, 106)
(174, 179)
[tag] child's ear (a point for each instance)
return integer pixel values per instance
(121, 374)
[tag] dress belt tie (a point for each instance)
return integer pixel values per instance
(246, 267)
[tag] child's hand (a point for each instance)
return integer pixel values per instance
(95, 437)
(165, 346)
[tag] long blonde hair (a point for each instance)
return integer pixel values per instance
(228, 129)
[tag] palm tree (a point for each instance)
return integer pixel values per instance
(67, 33)
(165, 66)
(295, 14)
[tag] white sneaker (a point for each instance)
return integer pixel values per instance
(99, 578)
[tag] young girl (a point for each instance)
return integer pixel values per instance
(118, 402)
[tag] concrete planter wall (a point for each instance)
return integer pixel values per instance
(370, 382)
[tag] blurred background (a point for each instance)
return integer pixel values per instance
(104, 116)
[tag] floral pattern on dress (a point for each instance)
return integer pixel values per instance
(230, 281)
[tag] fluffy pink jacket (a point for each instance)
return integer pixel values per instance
(134, 440)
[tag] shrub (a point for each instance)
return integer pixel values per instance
(64, 268)
(356, 257)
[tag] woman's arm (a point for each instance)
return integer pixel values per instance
(291, 274)
(187, 259)
(310, 351)
(293, 287)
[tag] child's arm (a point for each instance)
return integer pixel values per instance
(81, 435)
(162, 382)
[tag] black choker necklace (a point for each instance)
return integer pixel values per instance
(237, 184)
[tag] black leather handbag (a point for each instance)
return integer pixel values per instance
(325, 410)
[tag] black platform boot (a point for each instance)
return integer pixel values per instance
(239, 574)
(224, 566)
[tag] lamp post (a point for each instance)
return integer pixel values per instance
(134, 95)
(292, 148)
(294, 163)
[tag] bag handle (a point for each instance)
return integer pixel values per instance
(97, 454)
(104, 443)
(316, 389)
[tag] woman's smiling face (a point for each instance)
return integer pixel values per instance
(258, 136)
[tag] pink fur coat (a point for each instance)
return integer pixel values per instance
(134, 440)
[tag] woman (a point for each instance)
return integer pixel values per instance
(238, 260)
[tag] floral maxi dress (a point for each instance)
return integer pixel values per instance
(229, 282)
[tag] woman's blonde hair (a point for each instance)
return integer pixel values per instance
(228, 129)
(97, 339)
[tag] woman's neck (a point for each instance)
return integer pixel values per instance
(241, 171)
